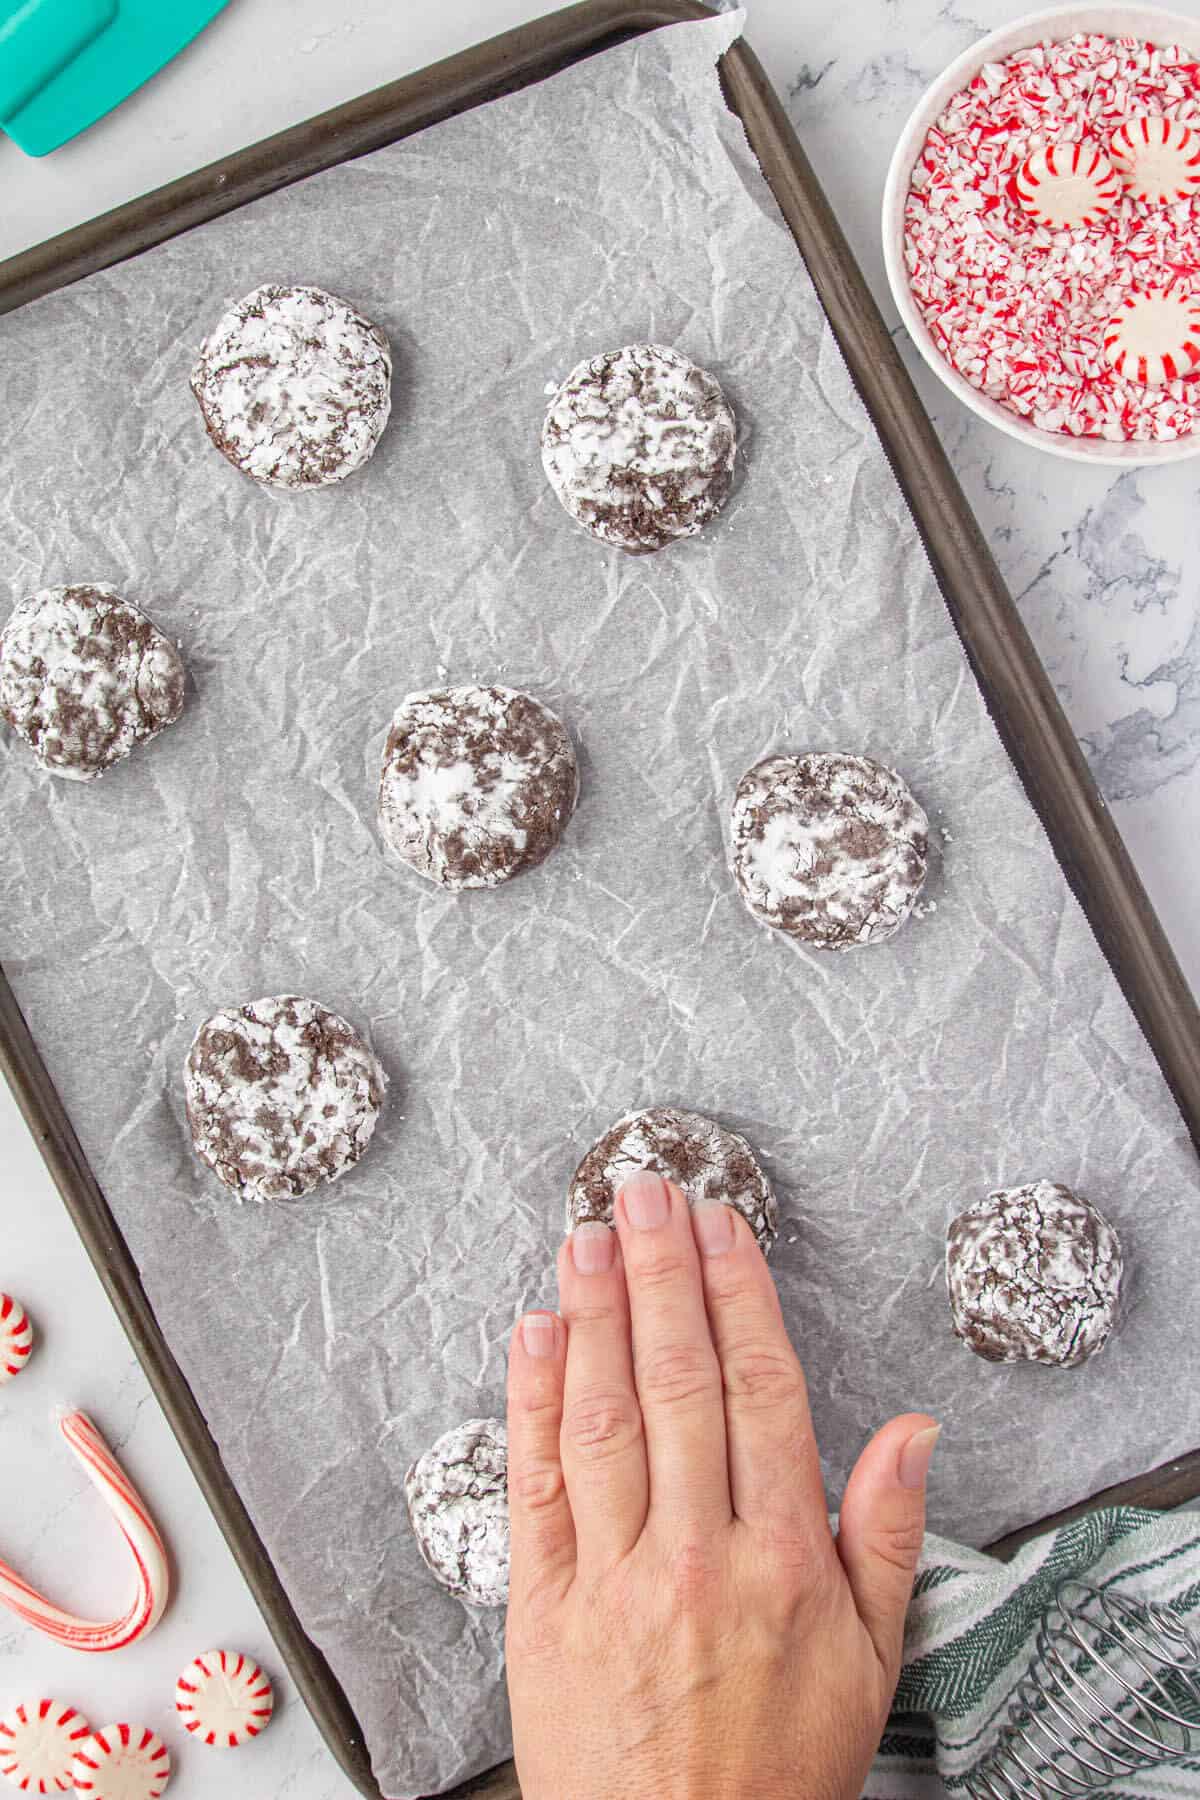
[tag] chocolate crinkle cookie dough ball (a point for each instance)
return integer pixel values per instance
(702, 1158)
(830, 849)
(1033, 1275)
(84, 677)
(477, 784)
(281, 1095)
(294, 386)
(638, 445)
(457, 1497)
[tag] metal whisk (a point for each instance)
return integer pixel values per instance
(1113, 1689)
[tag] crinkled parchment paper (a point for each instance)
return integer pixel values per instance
(330, 1341)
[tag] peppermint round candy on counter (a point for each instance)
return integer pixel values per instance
(224, 1699)
(1154, 336)
(38, 1741)
(1158, 160)
(122, 1762)
(16, 1338)
(1067, 184)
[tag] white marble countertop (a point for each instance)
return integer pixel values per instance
(1106, 571)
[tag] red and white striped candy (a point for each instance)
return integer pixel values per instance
(1158, 160)
(38, 1741)
(224, 1699)
(122, 1762)
(1154, 336)
(1067, 184)
(141, 1537)
(16, 1338)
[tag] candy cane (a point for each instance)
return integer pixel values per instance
(140, 1534)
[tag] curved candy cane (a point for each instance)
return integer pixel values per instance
(140, 1534)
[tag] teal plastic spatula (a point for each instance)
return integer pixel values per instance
(65, 63)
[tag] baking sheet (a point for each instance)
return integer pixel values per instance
(330, 1341)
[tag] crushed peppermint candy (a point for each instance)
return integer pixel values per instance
(1021, 309)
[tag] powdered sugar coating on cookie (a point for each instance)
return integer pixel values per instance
(457, 1497)
(831, 849)
(477, 786)
(282, 1094)
(1033, 1274)
(294, 386)
(84, 677)
(638, 445)
(702, 1158)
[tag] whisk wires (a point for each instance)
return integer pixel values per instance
(1113, 1689)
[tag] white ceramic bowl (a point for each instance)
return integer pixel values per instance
(1148, 22)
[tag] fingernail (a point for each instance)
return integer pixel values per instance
(539, 1333)
(917, 1455)
(592, 1246)
(647, 1202)
(712, 1222)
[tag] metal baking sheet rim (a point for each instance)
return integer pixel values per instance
(1031, 723)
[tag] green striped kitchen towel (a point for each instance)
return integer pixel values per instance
(970, 1638)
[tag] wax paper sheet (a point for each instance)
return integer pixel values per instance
(330, 1341)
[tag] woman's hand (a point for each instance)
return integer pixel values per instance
(682, 1621)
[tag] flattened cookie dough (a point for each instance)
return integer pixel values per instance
(282, 1094)
(477, 785)
(1033, 1274)
(295, 386)
(457, 1497)
(84, 677)
(702, 1158)
(830, 849)
(638, 445)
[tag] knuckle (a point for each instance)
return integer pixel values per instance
(534, 1628)
(898, 1545)
(694, 1572)
(535, 1486)
(677, 1375)
(660, 1271)
(535, 1400)
(795, 1564)
(601, 1425)
(758, 1377)
(587, 1317)
(786, 1543)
